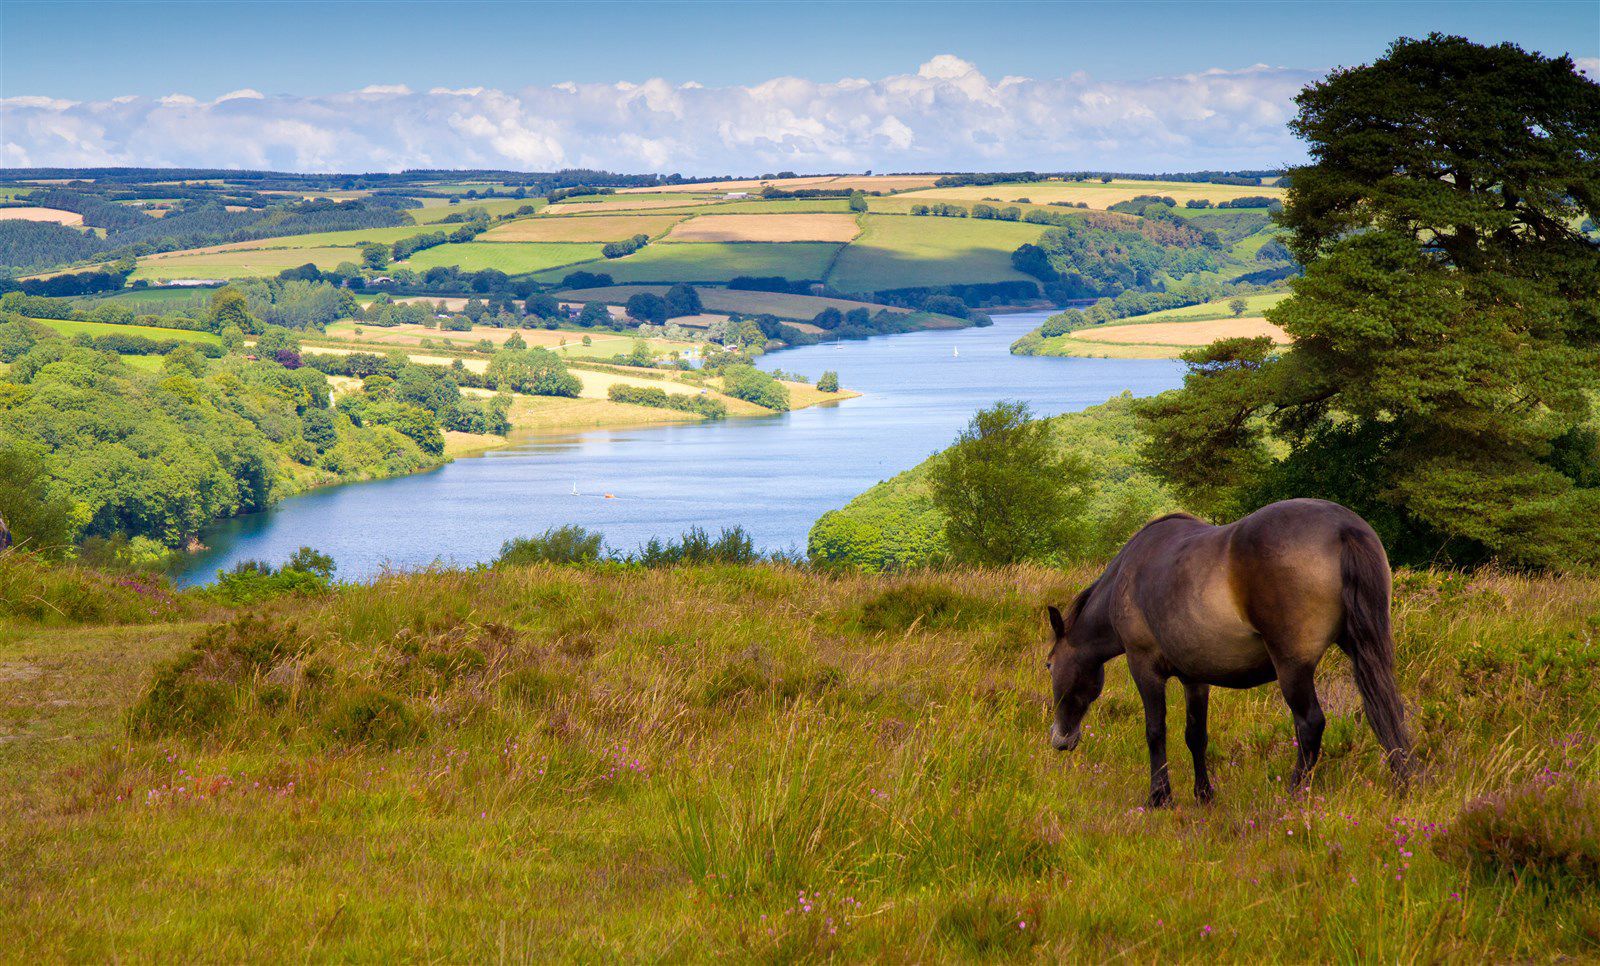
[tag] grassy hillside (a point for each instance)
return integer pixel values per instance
(755, 763)
(894, 526)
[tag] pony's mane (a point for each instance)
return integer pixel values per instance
(1179, 515)
(1078, 604)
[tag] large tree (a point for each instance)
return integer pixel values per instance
(1446, 335)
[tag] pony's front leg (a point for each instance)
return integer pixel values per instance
(1153, 690)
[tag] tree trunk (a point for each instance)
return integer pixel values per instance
(5, 534)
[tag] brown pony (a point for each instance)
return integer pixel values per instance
(1237, 606)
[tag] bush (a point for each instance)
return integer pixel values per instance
(558, 545)
(829, 382)
(306, 573)
(733, 546)
(369, 716)
(1544, 831)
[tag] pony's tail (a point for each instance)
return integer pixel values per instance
(1366, 637)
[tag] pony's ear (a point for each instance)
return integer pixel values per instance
(1057, 623)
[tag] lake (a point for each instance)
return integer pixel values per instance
(774, 476)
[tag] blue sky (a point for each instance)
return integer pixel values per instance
(701, 88)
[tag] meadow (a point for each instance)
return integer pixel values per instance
(900, 251)
(764, 763)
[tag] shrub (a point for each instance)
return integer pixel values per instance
(732, 546)
(369, 716)
(829, 382)
(306, 573)
(1545, 831)
(570, 544)
(917, 605)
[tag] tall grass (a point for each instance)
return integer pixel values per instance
(768, 763)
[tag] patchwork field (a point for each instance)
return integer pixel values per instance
(31, 213)
(715, 262)
(1094, 193)
(1254, 306)
(892, 182)
(508, 257)
(604, 345)
(900, 251)
(600, 228)
(782, 305)
(796, 227)
(240, 264)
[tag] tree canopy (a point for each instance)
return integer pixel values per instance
(1445, 360)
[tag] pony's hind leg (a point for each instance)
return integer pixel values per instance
(1300, 692)
(1198, 697)
(1153, 691)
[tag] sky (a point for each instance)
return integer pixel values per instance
(702, 88)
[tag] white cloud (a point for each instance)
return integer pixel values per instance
(1590, 66)
(946, 116)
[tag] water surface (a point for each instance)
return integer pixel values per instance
(774, 476)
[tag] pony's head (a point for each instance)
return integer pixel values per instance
(1077, 672)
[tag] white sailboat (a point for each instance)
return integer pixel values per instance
(955, 353)
(575, 489)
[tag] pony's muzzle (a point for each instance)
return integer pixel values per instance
(1064, 742)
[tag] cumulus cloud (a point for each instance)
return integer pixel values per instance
(945, 116)
(1590, 66)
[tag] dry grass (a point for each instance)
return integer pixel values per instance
(31, 213)
(798, 227)
(601, 228)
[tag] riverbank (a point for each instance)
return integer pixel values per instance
(774, 476)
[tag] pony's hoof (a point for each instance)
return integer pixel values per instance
(1159, 799)
(1204, 795)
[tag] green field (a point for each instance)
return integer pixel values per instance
(509, 257)
(493, 206)
(241, 264)
(714, 262)
(900, 251)
(70, 327)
